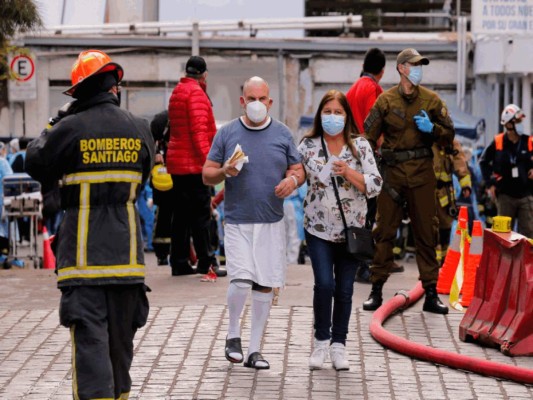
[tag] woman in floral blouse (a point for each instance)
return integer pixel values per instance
(356, 176)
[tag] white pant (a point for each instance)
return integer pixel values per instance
(256, 252)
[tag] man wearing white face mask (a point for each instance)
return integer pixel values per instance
(411, 119)
(254, 235)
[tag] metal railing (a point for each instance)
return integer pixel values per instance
(251, 26)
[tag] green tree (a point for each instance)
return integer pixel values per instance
(17, 16)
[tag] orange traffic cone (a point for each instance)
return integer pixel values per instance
(476, 249)
(49, 260)
(463, 214)
(451, 261)
(453, 255)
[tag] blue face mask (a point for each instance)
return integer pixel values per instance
(332, 124)
(415, 75)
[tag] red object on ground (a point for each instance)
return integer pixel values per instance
(474, 257)
(49, 260)
(438, 356)
(501, 311)
(211, 276)
(453, 256)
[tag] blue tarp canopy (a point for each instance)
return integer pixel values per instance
(467, 125)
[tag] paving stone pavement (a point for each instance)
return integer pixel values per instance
(179, 353)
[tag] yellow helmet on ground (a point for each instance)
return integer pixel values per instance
(161, 179)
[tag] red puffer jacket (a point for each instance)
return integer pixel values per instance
(192, 128)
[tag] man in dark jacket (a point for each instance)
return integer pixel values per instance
(192, 129)
(507, 167)
(103, 155)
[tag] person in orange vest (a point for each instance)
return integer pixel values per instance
(507, 167)
(449, 160)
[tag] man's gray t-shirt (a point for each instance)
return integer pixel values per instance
(249, 197)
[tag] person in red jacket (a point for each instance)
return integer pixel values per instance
(192, 129)
(365, 91)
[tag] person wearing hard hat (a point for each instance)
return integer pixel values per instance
(103, 155)
(411, 118)
(507, 168)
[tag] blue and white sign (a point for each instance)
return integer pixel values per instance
(502, 16)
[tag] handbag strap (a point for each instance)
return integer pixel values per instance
(335, 187)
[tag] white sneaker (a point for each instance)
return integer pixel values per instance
(24, 243)
(339, 358)
(319, 354)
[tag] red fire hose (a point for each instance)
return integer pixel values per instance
(402, 301)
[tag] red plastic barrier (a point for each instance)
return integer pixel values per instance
(501, 312)
(474, 257)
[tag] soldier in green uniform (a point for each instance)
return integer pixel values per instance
(411, 118)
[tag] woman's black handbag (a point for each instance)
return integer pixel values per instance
(359, 241)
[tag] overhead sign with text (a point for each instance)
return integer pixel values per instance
(23, 85)
(502, 16)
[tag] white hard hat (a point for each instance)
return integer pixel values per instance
(510, 112)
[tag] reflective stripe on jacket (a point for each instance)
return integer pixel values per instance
(103, 155)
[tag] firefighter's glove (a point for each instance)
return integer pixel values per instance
(423, 123)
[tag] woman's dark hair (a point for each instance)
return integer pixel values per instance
(350, 128)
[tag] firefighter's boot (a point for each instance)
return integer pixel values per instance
(432, 302)
(376, 297)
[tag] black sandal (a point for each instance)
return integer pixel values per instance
(233, 346)
(253, 359)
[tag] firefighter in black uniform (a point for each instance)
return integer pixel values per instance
(102, 154)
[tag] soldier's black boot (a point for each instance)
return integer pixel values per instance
(376, 297)
(432, 302)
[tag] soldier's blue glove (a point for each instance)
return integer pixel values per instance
(423, 123)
